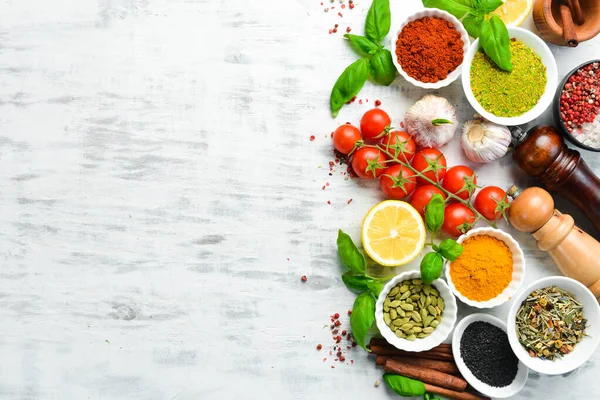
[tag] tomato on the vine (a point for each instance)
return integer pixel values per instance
(400, 144)
(421, 196)
(397, 182)
(491, 202)
(373, 124)
(427, 161)
(345, 137)
(368, 162)
(458, 219)
(460, 180)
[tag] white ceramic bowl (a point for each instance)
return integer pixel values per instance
(517, 275)
(432, 12)
(583, 350)
(438, 335)
(542, 50)
(485, 389)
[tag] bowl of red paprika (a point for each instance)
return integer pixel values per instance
(430, 46)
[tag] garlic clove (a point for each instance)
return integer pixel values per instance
(431, 121)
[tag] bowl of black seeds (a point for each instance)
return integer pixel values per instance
(485, 358)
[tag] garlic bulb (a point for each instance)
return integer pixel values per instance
(431, 121)
(484, 141)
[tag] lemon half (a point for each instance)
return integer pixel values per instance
(393, 233)
(514, 12)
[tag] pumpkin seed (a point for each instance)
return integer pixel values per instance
(400, 312)
(428, 330)
(405, 295)
(423, 298)
(403, 288)
(410, 331)
(441, 304)
(395, 303)
(415, 297)
(406, 326)
(428, 301)
(417, 329)
(400, 334)
(387, 319)
(416, 289)
(434, 324)
(407, 307)
(424, 314)
(427, 320)
(394, 291)
(393, 314)
(416, 316)
(434, 301)
(411, 337)
(427, 289)
(423, 335)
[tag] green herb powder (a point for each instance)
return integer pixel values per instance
(509, 94)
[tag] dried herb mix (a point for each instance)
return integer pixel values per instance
(550, 323)
(486, 352)
(509, 94)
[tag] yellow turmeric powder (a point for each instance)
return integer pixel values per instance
(484, 269)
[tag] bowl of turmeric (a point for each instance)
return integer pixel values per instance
(489, 271)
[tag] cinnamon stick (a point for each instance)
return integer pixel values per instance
(443, 355)
(578, 16)
(383, 342)
(569, 33)
(442, 366)
(425, 375)
(451, 394)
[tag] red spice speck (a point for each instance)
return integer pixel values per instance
(349, 312)
(334, 30)
(330, 31)
(348, 29)
(336, 25)
(323, 188)
(401, 124)
(337, 323)
(319, 346)
(330, 353)
(304, 278)
(331, 134)
(328, 202)
(351, 100)
(312, 137)
(324, 359)
(343, 6)
(351, 5)
(342, 358)
(333, 366)
(340, 14)
(335, 331)
(335, 359)
(351, 361)
(344, 332)
(360, 101)
(377, 103)
(327, 184)
(336, 315)
(349, 201)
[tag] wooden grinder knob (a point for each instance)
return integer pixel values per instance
(531, 208)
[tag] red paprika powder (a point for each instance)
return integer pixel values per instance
(429, 48)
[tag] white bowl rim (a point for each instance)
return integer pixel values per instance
(432, 12)
(444, 328)
(510, 290)
(523, 371)
(532, 362)
(544, 102)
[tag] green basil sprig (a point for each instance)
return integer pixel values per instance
(404, 386)
(362, 317)
(490, 30)
(433, 262)
(376, 63)
(352, 258)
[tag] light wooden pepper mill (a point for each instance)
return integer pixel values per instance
(576, 253)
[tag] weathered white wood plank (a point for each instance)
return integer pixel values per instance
(156, 175)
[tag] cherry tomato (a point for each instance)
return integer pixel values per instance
(454, 180)
(419, 162)
(373, 123)
(394, 187)
(455, 215)
(344, 138)
(368, 162)
(487, 201)
(422, 195)
(394, 141)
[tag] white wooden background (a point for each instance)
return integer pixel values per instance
(160, 200)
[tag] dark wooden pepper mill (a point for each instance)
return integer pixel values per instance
(541, 152)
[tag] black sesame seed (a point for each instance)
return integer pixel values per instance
(487, 353)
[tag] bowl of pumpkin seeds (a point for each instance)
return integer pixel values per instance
(414, 316)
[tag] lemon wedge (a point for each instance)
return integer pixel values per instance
(514, 12)
(393, 233)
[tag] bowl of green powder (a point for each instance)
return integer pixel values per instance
(516, 97)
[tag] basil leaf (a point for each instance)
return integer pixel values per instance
(431, 267)
(450, 249)
(349, 253)
(404, 386)
(378, 20)
(434, 213)
(363, 315)
(376, 286)
(363, 43)
(359, 283)
(494, 40)
(472, 24)
(487, 6)
(458, 8)
(348, 84)
(383, 70)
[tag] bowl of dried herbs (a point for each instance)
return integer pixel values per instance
(554, 325)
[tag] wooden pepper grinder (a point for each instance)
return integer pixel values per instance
(576, 253)
(542, 153)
